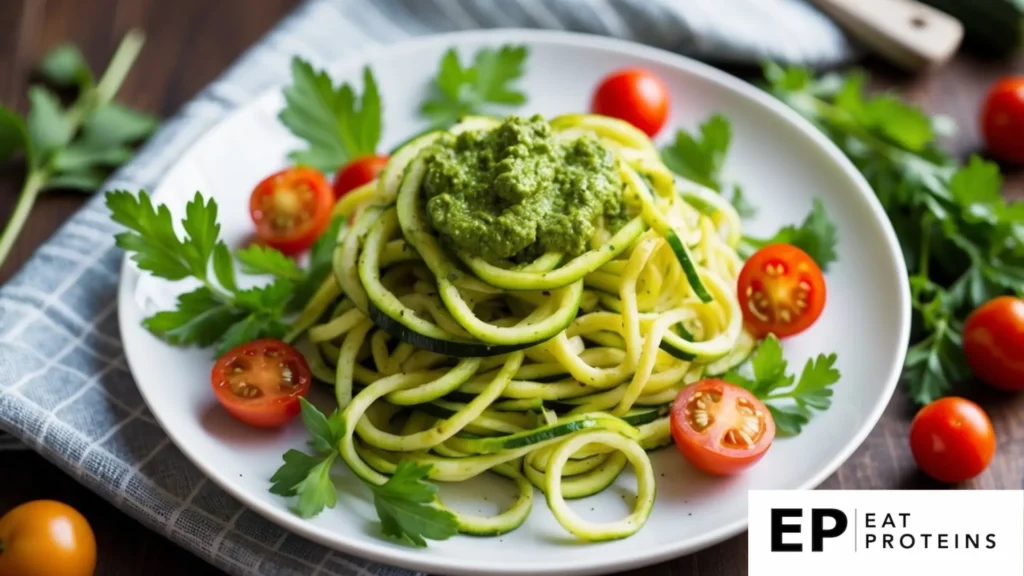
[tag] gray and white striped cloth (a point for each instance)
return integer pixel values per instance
(65, 390)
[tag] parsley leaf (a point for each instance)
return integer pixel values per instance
(477, 89)
(975, 188)
(962, 242)
(151, 239)
(699, 157)
(739, 201)
(200, 319)
(336, 124)
(404, 504)
(933, 364)
(65, 66)
(816, 236)
(218, 312)
(259, 259)
(791, 404)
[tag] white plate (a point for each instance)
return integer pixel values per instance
(783, 164)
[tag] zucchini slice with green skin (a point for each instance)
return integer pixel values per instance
(507, 520)
(539, 435)
(618, 131)
(560, 276)
(646, 487)
(720, 345)
(586, 484)
(562, 309)
(389, 314)
(657, 220)
(742, 350)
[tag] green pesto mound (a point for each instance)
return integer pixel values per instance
(516, 192)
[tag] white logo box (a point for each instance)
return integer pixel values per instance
(898, 532)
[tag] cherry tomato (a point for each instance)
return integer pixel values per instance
(781, 291)
(721, 428)
(952, 440)
(636, 96)
(994, 342)
(291, 208)
(260, 382)
(356, 173)
(46, 538)
(1002, 120)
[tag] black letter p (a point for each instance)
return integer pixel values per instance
(818, 532)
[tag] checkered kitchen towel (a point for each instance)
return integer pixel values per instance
(65, 389)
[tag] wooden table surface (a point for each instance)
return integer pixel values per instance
(188, 43)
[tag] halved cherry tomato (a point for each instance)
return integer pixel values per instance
(1002, 120)
(994, 342)
(291, 208)
(356, 173)
(260, 382)
(952, 440)
(46, 538)
(721, 428)
(636, 96)
(781, 291)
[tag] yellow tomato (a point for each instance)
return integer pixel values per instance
(46, 538)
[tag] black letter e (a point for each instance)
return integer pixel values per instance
(779, 528)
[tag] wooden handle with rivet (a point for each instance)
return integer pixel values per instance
(912, 35)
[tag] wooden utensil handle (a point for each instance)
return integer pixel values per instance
(911, 34)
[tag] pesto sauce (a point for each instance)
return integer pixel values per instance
(516, 192)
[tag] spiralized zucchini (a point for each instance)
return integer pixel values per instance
(554, 374)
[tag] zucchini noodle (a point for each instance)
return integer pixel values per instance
(554, 374)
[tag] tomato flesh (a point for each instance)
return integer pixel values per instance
(952, 440)
(260, 382)
(46, 538)
(721, 428)
(358, 172)
(781, 291)
(1002, 120)
(291, 208)
(994, 342)
(636, 96)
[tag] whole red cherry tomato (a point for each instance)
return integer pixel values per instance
(636, 96)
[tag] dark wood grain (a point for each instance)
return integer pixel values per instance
(190, 41)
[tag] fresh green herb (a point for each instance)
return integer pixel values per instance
(477, 89)
(217, 312)
(260, 259)
(791, 405)
(816, 236)
(963, 244)
(699, 157)
(405, 503)
(74, 147)
(337, 124)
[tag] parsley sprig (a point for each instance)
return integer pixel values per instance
(74, 147)
(337, 124)
(699, 157)
(405, 503)
(487, 84)
(963, 244)
(791, 401)
(218, 311)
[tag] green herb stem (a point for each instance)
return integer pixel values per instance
(38, 177)
(29, 192)
(111, 81)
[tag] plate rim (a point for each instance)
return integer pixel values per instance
(410, 558)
